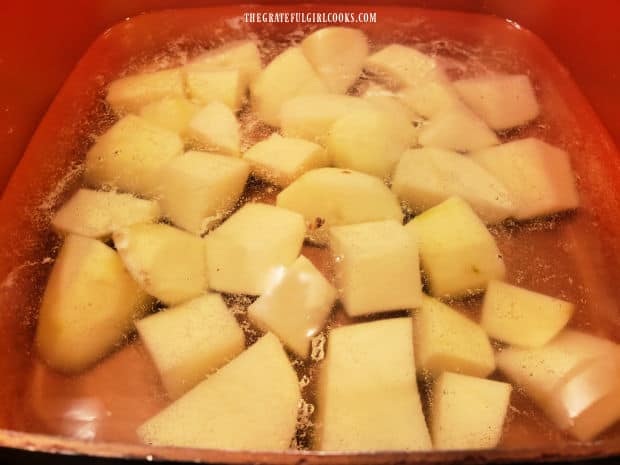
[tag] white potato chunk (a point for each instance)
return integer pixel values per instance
(280, 160)
(88, 306)
(97, 214)
(458, 253)
(242, 55)
(296, 306)
(377, 267)
(446, 340)
(287, 76)
(426, 177)
(215, 127)
(334, 197)
(311, 116)
(537, 175)
(457, 129)
(392, 104)
(166, 262)
(171, 113)
(503, 101)
(198, 189)
(130, 93)
(190, 341)
(130, 154)
(368, 396)
(402, 66)
(468, 412)
(249, 251)
(522, 317)
(249, 404)
(432, 97)
(218, 85)
(337, 54)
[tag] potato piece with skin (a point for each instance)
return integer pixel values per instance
(368, 397)
(445, 340)
(166, 262)
(503, 101)
(215, 127)
(430, 98)
(468, 412)
(190, 341)
(537, 175)
(295, 308)
(88, 306)
(97, 214)
(171, 113)
(324, 50)
(521, 317)
(242, 55)
(280, 160)
(198, 189)
(129, 156)
(334, 197)
(425, 177)
(287, 76)
(249, 404)
(252, 247)
(130, 93)
(377, 267)
(218, 85)
(458, 254)
(311, 116)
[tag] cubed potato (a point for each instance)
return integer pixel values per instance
(369, 142)
(171, 113)
(129, 156)
(215, 127)
(190, 341)
(166, 262)
(458, 253)
(130, 93)
(249, 404)
(587, 401)
(242, 55)
(296, 306)
(198, 189)
(432, 97)
(538, 371)
(537, 175)
(337, 54)
(503, 101)
(402, 66)
(377, 267)
(311, 116)
(446, 340)
(425, 177)
(250, 249)
(280, 160)
(334, 197)
(522, 317)
(391, 103)
(468, 412)
(287, 76)
(88, 306)
(216, 85)
(97, 214)
(457, 129)
(367, 395)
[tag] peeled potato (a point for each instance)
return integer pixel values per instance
(242, 55)
(215, 127)
(219, 85)
(171, 113)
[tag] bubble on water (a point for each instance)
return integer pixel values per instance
(318, 347)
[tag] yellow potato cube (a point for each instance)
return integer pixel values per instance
(215, 127)
(171, 113)
(296, 306)
(368, 396)
(521, 317)
(190, 341)
(218, 85)
(97, 214)
(249, 404)
(198, 189)
(242, 55)
(457, 252)
(89, 304)
(446, 340)
(377, 267)
(468, 412)
(252, 247)
(431, 98)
